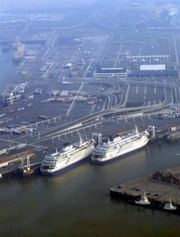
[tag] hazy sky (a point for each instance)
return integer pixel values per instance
(9, 4)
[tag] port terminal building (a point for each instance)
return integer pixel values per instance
(139, 66)
(153, 70)
(109, 72)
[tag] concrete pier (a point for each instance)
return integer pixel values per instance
(21, 164)
(173, 136)
(7, 173)
(158, 192)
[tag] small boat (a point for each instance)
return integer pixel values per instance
(169, 206)
(143, 201)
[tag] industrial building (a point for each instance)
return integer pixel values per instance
(168, 175)
(155, 70)
(109, 72)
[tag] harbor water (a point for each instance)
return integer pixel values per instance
(6, 67)
(77, 202)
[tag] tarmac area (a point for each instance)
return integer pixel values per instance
(80, 43)
(26, 112)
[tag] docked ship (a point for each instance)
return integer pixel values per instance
(120, 145)
(71, 155)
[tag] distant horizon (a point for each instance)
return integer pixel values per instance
(15, 4)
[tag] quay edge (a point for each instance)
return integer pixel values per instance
(158, 193)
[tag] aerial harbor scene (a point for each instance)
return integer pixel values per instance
(90, 118)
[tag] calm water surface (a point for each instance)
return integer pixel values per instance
(6, 66)
(77, 203)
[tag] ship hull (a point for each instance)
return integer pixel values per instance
(62, 170)
(116, 157)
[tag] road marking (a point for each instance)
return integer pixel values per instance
(155, 90)
(137, 88)
(145, 89)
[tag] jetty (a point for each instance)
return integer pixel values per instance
(21, 164)
(158, 192)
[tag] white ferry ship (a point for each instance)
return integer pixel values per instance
(119, 146)
(59, 161)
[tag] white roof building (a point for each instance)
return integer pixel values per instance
(153, 67)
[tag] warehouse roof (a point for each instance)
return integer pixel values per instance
(153, 67)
